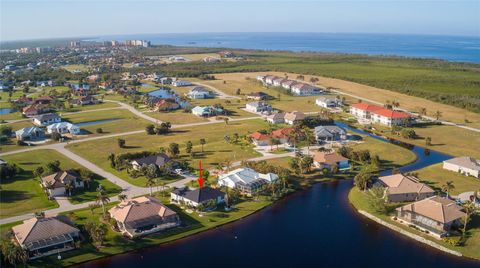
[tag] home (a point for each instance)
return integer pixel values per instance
(258, 107)
(323, 160)
(63, 128)
(269, 79)
(261, 78)
(143, 215)
(181, 83)
(166, 105)
(258, 96)
(211, 60)
(294, 117)
(276, 118)
(199, 93)
(363, 110)
(434, 214)
(42, 236)
(301, 89)
(329, 134)
(206, 111)
(277, 82)
(24, 101)
(165, 80)
(35, 109)
(198, 196)
(55, 184)
(226, 54)
(281, 135)
(287, 84)
(159, 160)
(44, 100)
(260, 139)
(465, 165)
(403, 188)
(246, 180)
(105, 85)
(30, 133)
(328, 102)
(46, 119)
(85, 100)
(390, 117)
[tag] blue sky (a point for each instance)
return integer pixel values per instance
(27, 19)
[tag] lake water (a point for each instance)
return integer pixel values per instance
(451, 48)
(4, 111)
(316, 227)
(162, 93)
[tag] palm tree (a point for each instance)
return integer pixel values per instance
(309, 137)
(102, 198)
(437, 115)
(447, 187)
(122, 197)
(225, 119)
(150, 183)
(162, 185)
(423, 111)
(469, 208)
(69, 188)
(202, 142)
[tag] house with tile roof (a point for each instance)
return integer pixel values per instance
(55, 184)
(246, 180)
(435, 214)
(403, 188)
(263, 139)
(363, 110)
(328, 160)
(379, 115)
(465, 165)
(142, 216)
(35, 109)
(294, 117)
(197, 196)
(43, 236)
(329, 134)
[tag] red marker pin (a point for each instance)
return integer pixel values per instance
(200, 179)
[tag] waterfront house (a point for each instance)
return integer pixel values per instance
(328, 102)
(160, 160)
(464, 165)
(206, 111)
(403, 188)
(42, 236)
(166, 105)
(363, 110)
(46, 119)
(55, 184)
(329, 134)
(63, 128)
(35, 109)
(258, 107)
(181, 83)
(326, 160)
(258, 96)
(30, 133)
(246, 180)
(435, 214)
(198, 196)
(378, 114)
(294, 117)
(143, 215)
(199, 93)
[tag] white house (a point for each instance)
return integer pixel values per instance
(258, 107)
(328, 102)
(390, 118)
(246, 180)
(63, 128)
(269, 79)
(464, 165)
(46, 119)
(181, 83)
(199, 93)
(294, 117)
(301, 89)
(278, 81)
(30, 133)
(198, 196)
(329, 133)
(276, 118)
(288, 84)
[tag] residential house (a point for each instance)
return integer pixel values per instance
(301, 89)
(294, 117)
(328, 102)
(211, 60)
(258, 107)
(181, 83)
(80, 89)
(30, 134)
(281, 135)
(269, 79)
(276, 118)
(363, 110)
(63, 128)
(166, 105)
(198, 196)
(403, 188)
(277, 82)
(258, 96)
(35, 109)
(165, 80)
(199, 93)
(43, 236)
(390, 118)
(44, 100)
(23, 101)
(85, 100)
(261, 78)
(226, 54)
(54, 184)
(328, 160)
(143, 215)
(287, 84)
(329, 134)
(465, 165)
(246, 180)
(160, 160)
(46, 119)
(435, 214)
(206, 111)
(260, 139)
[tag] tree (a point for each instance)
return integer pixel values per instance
(376, 199)
(102, 198)
(151, 182)
(69, 188)
(150, 129)
(226, 119)
(309, 137)
(174, 149)
(6, 131)
(86, 176)
(306, 163)
(408, 133)
(96, 231)
(188, 147)
(447, 187)
(469, 208)
(121, 143)
(364, 176)
(437, 115)
(152, 171)
(238, 91)
(428, 141)
(122, 197)
(423, 111)
(294, 165)
(38, 172)
(99, 130)
(13, 253)
(111, 157)
(53, 167)
(56, 136)
(202, 142)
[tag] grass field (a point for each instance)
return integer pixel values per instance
(23, 194)
(216, 150)
(176, 117)
(436, 176)
(360, 201)
(72, 67)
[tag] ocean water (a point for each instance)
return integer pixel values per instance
(451, 48)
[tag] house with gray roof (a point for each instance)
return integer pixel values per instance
(46, 119)
(258, 107)
(329, 133)
(465, 165)
(30, 134)
(43, 236)
(158, 159)
(197, 196)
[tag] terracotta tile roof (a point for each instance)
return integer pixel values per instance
(61, 178)
(259, 136)
(465, 161)
(282, 133)
(401, 184)
(391, 113)
(36, 229)
(328, 158)
(140, 208)
(294, 116)
(436, 208)
(367, 107)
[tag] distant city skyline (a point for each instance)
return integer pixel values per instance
(42, 19)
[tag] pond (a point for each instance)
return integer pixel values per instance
(4, 111)
(163, 93)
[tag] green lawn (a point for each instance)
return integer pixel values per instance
(23, 194)
(471, 248)
(73, 67)
(216, 150)
(115, 243)
(176, 117)
(436, 176)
